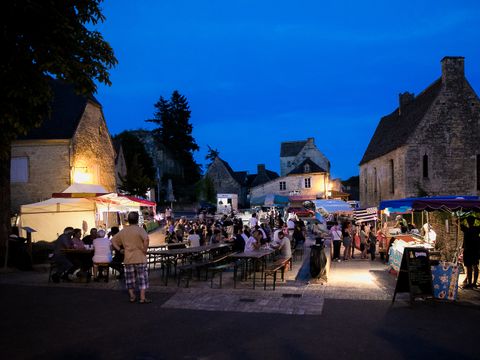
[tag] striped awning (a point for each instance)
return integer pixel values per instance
(365, 215)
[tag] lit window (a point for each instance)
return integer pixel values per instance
(308, 183)
(19, 170)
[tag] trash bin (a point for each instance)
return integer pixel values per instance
(318, 262)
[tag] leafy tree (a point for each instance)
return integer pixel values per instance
(211, 154)
(206, 190)
(41, 39)
(140, 171)
(174, 131)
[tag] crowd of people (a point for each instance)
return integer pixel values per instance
(272, 234)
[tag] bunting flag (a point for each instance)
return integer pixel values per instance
(365, 215)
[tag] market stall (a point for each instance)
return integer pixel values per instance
(80, 206)
(445, 269)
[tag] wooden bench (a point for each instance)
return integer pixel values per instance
(272, 269)
(186, 270)
(218, 269)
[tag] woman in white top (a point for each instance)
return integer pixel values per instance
(193, 239)
(103, 251)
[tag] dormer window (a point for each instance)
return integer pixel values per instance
(306, 168)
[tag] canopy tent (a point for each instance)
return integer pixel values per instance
(446, 204)
(405, 205)
(81, 191)
(83, 209)
(333, 206)
(51, 216)
(269, 200)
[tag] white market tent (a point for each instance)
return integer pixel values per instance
(51, 216)
(80, 206)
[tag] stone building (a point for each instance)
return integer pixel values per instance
(228, 181)
(307, 181)
(293, 153)
(163, 160)
(73, 145)
(429, 145)
(120, 164)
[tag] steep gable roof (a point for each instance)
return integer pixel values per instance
(259, 179)
(300, 169)
(66, 111)
(394, 130)
(291, 148)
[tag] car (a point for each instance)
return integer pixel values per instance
(301, 212)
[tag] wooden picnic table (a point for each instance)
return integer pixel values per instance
(171, 256)
(256, 256)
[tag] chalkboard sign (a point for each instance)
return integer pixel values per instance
(415, 275)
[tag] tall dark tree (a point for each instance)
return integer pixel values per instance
(140, 171)
(174, 131)
(40, 39)
(136, 182)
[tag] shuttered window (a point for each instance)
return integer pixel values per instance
(19, 170)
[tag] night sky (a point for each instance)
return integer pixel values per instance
(257, 73)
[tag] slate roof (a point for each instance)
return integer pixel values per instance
(394, 130)
(66, 111)
(314, 168)
(291, 148)
(259, 179)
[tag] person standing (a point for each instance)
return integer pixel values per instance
(347, 239)
(134, 240)
(372, 245)
(363, 242)
(336, 233)
(471, 251)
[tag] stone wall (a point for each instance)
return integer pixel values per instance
(376, 178)
(48, 170)
(293, 183)
(449, 135)
(223, 182)
(93, 149)
(311, 151)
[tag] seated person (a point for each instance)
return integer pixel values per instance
(238, 240)
(282, 245)
(88, 240)
(103, 251)
(119, 256)
(254, 242)
(77, 242)
(64, 266)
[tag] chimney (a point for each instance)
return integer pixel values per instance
(261, 169)
(403, 100)
(311, 140)
(453, 71)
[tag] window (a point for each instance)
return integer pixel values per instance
(392, 176)
(283, 185)
(19, 170)
(425, 166)
(308, 183)
(478, 172)
(306, 168)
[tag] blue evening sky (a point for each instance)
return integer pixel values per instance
(257, 73)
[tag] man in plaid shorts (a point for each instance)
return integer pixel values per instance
(134, 241)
